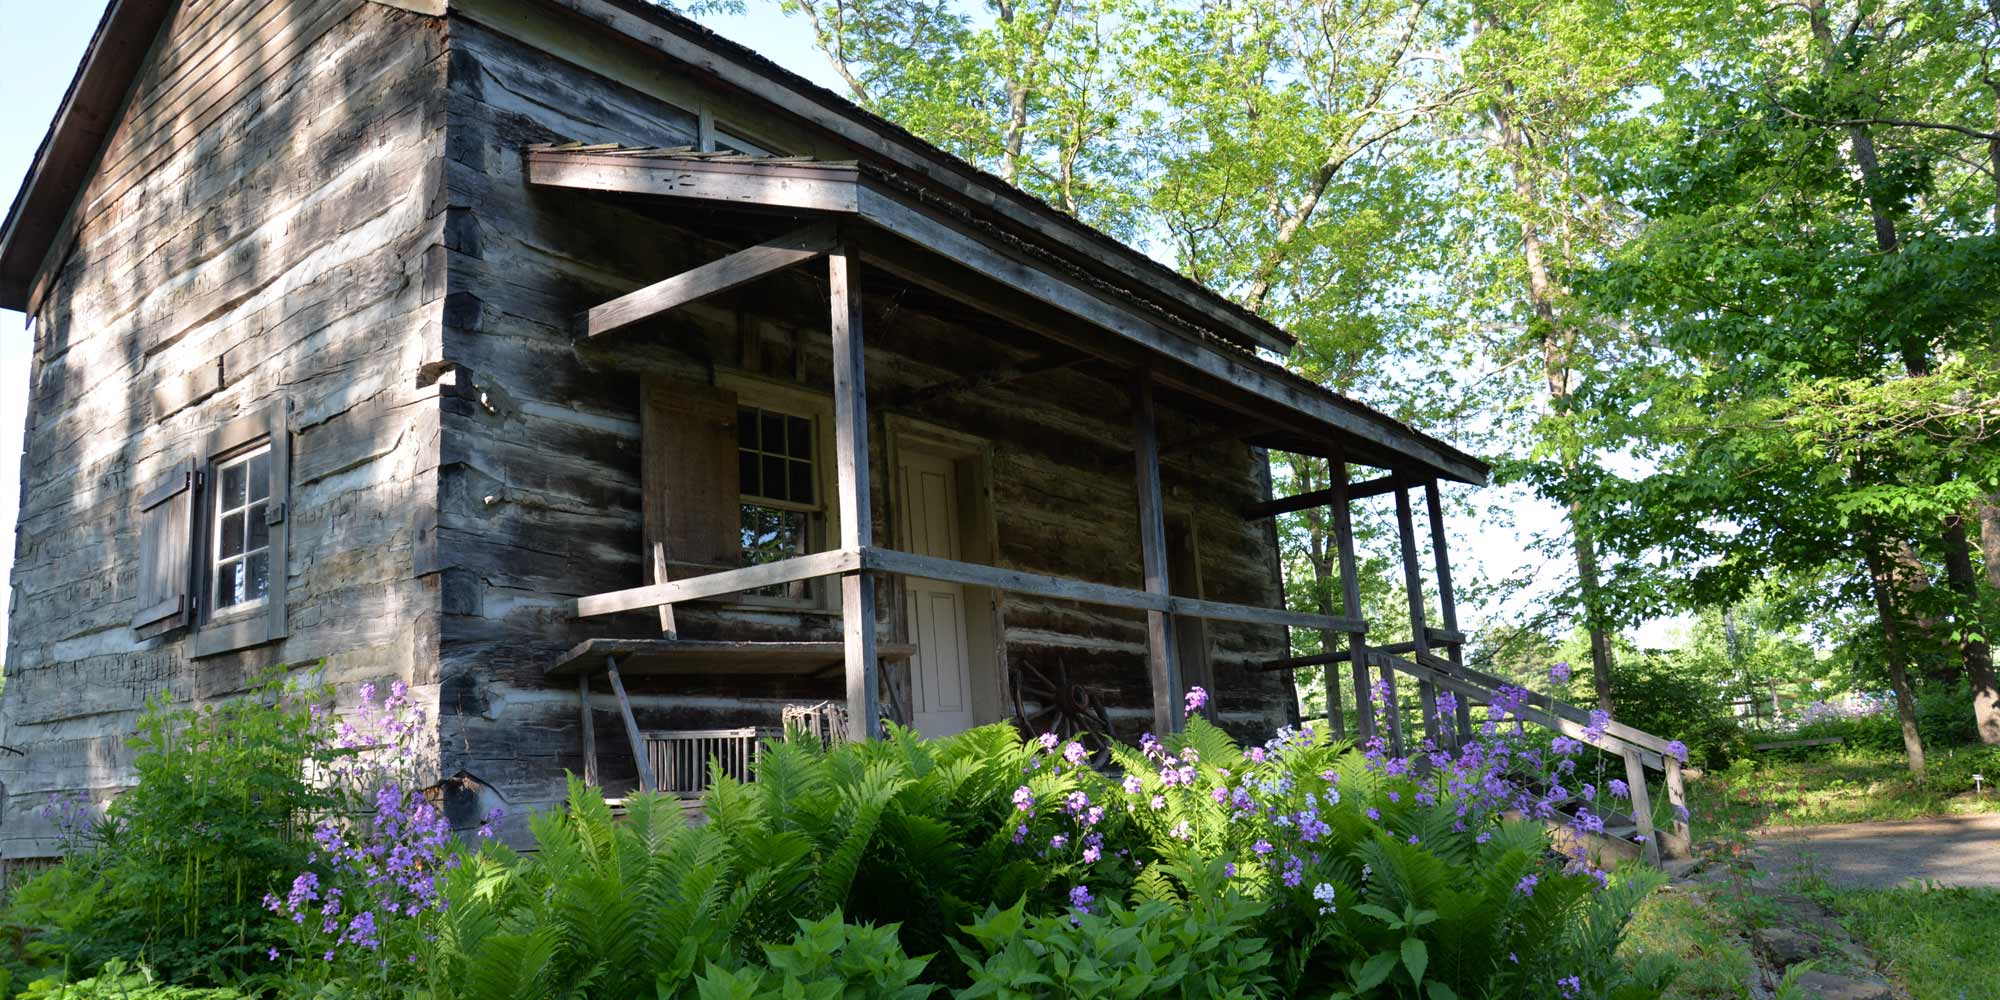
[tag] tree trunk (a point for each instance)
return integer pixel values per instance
(1558, 345)
(1882, 580)
(1989, 539)
(1975, 651)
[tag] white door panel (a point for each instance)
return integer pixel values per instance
(941, 672)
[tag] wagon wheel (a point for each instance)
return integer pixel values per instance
(1061, 707)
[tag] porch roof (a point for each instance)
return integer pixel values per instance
(930, 237)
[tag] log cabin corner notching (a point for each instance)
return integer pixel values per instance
(507, 346)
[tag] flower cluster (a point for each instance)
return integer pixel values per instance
(373, 886)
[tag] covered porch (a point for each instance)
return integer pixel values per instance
(1170, 348)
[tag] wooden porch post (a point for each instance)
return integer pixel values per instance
(1413, 583)
(1447, 601)
(857, 523)
(1642, 805)
(589, 731)
(1350, 596)
(1161, 662)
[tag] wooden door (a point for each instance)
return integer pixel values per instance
(941, 672)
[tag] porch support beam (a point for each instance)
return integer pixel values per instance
(1355, 491)
(857, 520)
(645, 767)
(1338, 501)
(1413, 587)
(1449, 636)
(1162, 663)
(1053, 361)
(714, 277)
(590, 773)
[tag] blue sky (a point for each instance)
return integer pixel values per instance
(42, 40)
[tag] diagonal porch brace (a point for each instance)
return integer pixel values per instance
(646, 782)
(739, 268)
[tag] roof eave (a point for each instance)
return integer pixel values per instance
(85, 118)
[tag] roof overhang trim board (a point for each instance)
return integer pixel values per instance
(743, 69)
(844, 191)
(89, 111)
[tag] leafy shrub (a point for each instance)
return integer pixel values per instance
(117, 981)
(1944, 719)
(175, 873)
(1659, 696)
(829, 958)
(1209, 950)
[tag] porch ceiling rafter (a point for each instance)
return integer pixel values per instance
(1180, 360)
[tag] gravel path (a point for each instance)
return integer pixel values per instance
(1951, 850)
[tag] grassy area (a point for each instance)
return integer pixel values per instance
(1704, 941)
(1848, 786)
(1938, 942)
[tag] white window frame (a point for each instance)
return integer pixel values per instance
(792, 399)
(212, 569)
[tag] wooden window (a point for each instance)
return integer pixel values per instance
(213, 537)
(244, 533)
(734, 474)
(783, 440)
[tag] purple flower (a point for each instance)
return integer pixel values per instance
(1074, 752)
(1677, 750)
(1526, 886)
(1559, 674)
(1132, 784)
(1024, 799)
(1081, 898)
(1196, 698)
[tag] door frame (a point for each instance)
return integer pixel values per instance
(979, 539)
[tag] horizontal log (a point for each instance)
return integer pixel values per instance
(998, 376)
(1320, 498)
(712, 278)
(731, 581)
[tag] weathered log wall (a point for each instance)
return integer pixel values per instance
(539, 497)
(258, 229)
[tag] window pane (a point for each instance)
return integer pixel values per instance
(798, 434)
(773, 433)
(260, 532)
(746, 472)
(257, 578)
(229, 584)
(229, 536)
(746, 427)
(232, 486)
(260, 475)
(775, 483)
(802, 482)
(770, 534)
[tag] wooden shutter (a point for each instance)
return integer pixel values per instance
(692, 501)
(166, 553)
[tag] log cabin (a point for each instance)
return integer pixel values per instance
(628, 397)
